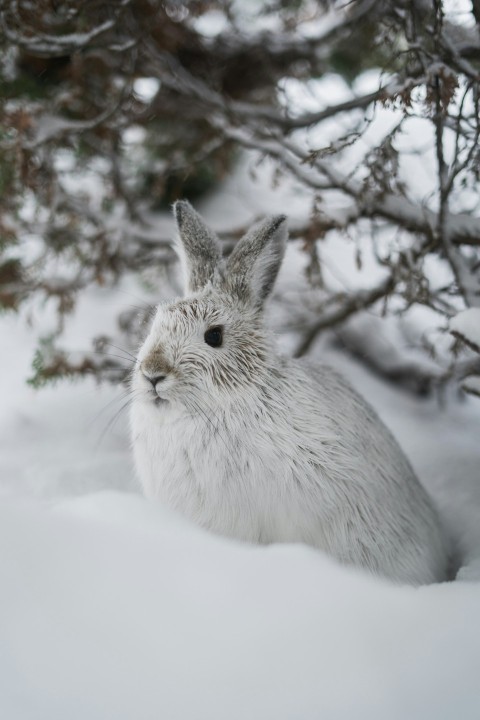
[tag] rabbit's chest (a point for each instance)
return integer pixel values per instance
(225, 478)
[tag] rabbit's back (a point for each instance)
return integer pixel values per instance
(378, 513)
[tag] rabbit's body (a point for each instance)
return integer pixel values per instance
(267, 449)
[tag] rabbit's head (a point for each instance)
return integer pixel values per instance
(212, 343)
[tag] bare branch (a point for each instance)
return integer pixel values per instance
(348, 305)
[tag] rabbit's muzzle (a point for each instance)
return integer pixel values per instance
(158, 374)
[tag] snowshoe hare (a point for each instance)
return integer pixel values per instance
(261, 447)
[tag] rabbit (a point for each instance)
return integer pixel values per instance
(260, 447)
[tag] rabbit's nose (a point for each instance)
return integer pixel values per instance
(153, 379)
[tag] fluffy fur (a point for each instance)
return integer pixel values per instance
(262, 448)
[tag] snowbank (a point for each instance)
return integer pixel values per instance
(112, 608)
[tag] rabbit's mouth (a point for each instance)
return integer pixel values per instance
(159, 401)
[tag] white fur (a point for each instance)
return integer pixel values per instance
(284, 452)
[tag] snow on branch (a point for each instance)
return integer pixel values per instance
(13, 19)
(466, 327)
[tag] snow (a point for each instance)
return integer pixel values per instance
(146, 88)
(112, 607)
(466, 325)
(472, 385)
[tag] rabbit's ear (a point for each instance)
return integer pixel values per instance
(197, 247)
(253, 266)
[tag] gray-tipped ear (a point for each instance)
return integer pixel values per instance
(253, 266)
(197, 247)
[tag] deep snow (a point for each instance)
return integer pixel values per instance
(111, 608)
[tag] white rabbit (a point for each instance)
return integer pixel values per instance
(261, 447)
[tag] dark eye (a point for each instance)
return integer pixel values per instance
(214, 336)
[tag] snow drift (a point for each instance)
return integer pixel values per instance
(114, 608)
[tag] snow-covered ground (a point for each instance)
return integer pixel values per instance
(113, 608)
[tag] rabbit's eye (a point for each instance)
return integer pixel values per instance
(214, 336)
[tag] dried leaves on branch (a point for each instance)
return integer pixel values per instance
(111, 110)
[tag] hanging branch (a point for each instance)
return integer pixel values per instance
(72, 105)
